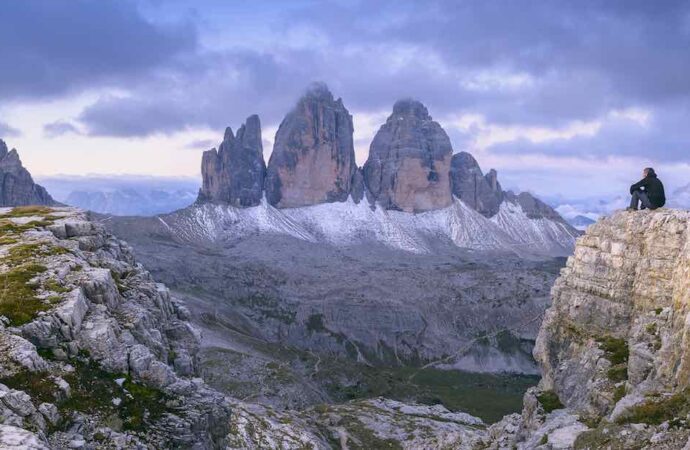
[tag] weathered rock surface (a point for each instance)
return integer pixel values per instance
(480, 192)
(613, 345)
(234, 173)
(79, 314)
(16, 185)
(409, 161)
(313, 159)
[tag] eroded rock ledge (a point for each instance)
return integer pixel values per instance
(613, 346)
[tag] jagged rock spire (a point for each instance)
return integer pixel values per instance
(409, 161)
(17, 188)
(235, 172)
(313, 159)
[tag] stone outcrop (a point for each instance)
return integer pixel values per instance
(16, 185)
(234, 173)
(409, 161)
(90, 342)
(533, 207)
(480, 192)
(313, 159)
(613, 347)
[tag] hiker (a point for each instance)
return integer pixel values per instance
(648, 193)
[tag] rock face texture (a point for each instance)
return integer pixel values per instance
(480, 192)
(313, 159)
(613, 347)
(409, 161)
(94, 353)
(16, 185)
(234, 173)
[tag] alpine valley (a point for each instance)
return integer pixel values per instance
(316, 281)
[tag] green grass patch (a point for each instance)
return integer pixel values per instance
(25, 211)
(37, 384)
(18, 301)
(619, 393)
(618, 373)
(55, 286)
(549, 401)
(488, 396)
(616, 349)
(655, 412)
(94, 389)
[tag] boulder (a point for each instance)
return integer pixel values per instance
(313, 159)
(409, 161)
(235, 172)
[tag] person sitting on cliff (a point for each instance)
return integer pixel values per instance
(648, 193)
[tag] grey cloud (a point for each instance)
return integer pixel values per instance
(200, 144)
(663, 139)
(59, 128)
(50, 47)
(8, 131)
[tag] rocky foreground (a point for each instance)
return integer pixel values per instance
(95, 354)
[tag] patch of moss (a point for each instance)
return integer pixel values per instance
(658, 311)
(18, 301)
(616, 349)
(651, 328)
(362, 438)
(7, 240)
(55, 286)
(618, 373)
(25, 211)
(37, 384)
(94, 389)
(20, 254)
(655, 412)
(619, 393)
(549, 401)
(544, 440)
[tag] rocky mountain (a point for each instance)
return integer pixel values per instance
(409, 161)
(581, 222)
(16, 185)
(480, 192)
(612, 347)
(313, 159)
(234, 174)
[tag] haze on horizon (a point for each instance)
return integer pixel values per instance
(565, 99)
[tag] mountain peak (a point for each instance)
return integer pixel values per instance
(319, 91)
(17, 188)
(409, 107)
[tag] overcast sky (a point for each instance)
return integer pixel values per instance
(563, 98)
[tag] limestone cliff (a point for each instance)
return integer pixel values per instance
(613, 347)
(234, 173)
(93, 352)
(16, 185)
(409, 161)
(480, 192)
(313, 159)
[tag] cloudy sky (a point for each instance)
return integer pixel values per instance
(565, 99)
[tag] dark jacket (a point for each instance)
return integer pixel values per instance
(654, 189)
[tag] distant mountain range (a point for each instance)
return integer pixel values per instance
(124, 195)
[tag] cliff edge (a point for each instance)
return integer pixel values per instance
(614, 346)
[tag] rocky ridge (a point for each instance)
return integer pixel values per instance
(411, 168)
(16, 185)
(612, 347)
(95, 354)
(234, 174)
